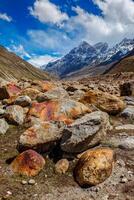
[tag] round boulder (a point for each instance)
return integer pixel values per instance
(94, 167)
(28, 163)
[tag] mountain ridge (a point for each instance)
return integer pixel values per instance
(86, 56)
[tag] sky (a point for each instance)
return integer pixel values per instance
(41, 31)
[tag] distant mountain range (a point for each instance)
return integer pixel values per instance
(92, 60)
(13, 67)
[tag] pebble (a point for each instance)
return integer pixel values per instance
(124, 180)
(45, 175)
(31, 182)
(24, 182)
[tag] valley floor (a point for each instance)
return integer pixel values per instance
(49, 185)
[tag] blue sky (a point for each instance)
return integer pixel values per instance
(44, 30)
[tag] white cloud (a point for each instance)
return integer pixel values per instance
(19, 50)
(41, 60)
(116, 23)
(47, 12)
(5, 17)
(51, 39)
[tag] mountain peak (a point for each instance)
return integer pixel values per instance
(86, 55)
(84, 44)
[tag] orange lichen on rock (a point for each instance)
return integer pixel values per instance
(47, 85)
(64, 111)
(104, 101)
(8, 91)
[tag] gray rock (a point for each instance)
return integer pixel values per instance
(40, 137)
(2, 111)
(3, 126)
(122, 142)
(85, 132)
(31, 182)
(128, 113)
(129, 101)
(15, 114)
(23, 101)
(56, 93)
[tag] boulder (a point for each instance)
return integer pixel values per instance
(47, 86)
(2, 111)
(94, 167)
(3, 126)
(56, 93)
(40, 137)
(14, 114)
(85, 132)
(9, 90)
(129, 100)
(127, 89)
(62, 166)
(28, 163)
(122, 142)
(62, 110)
(104, 101)
(23, 101)
(30, 92)
(128, 113)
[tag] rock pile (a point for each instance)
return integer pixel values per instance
(55, 116)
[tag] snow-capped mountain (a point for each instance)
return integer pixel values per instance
(86, 55)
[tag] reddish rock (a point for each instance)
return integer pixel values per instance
(65, 110)
(28, 163)
(9, 90)
(47, 85)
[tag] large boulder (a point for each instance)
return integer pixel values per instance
(104, 101)
(3, 126)
(41, 137)
(31, 92)
(15, 114)
(85, 132)
(28, 163)
(94, 167)
(9, 90)
(63, 110)
(56, 93)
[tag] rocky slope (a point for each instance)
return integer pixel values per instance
(67, 140)
(124, 65)
(13, 67)
(92, 60)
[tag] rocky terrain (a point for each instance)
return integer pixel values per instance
(71, 140)
(13, 67)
